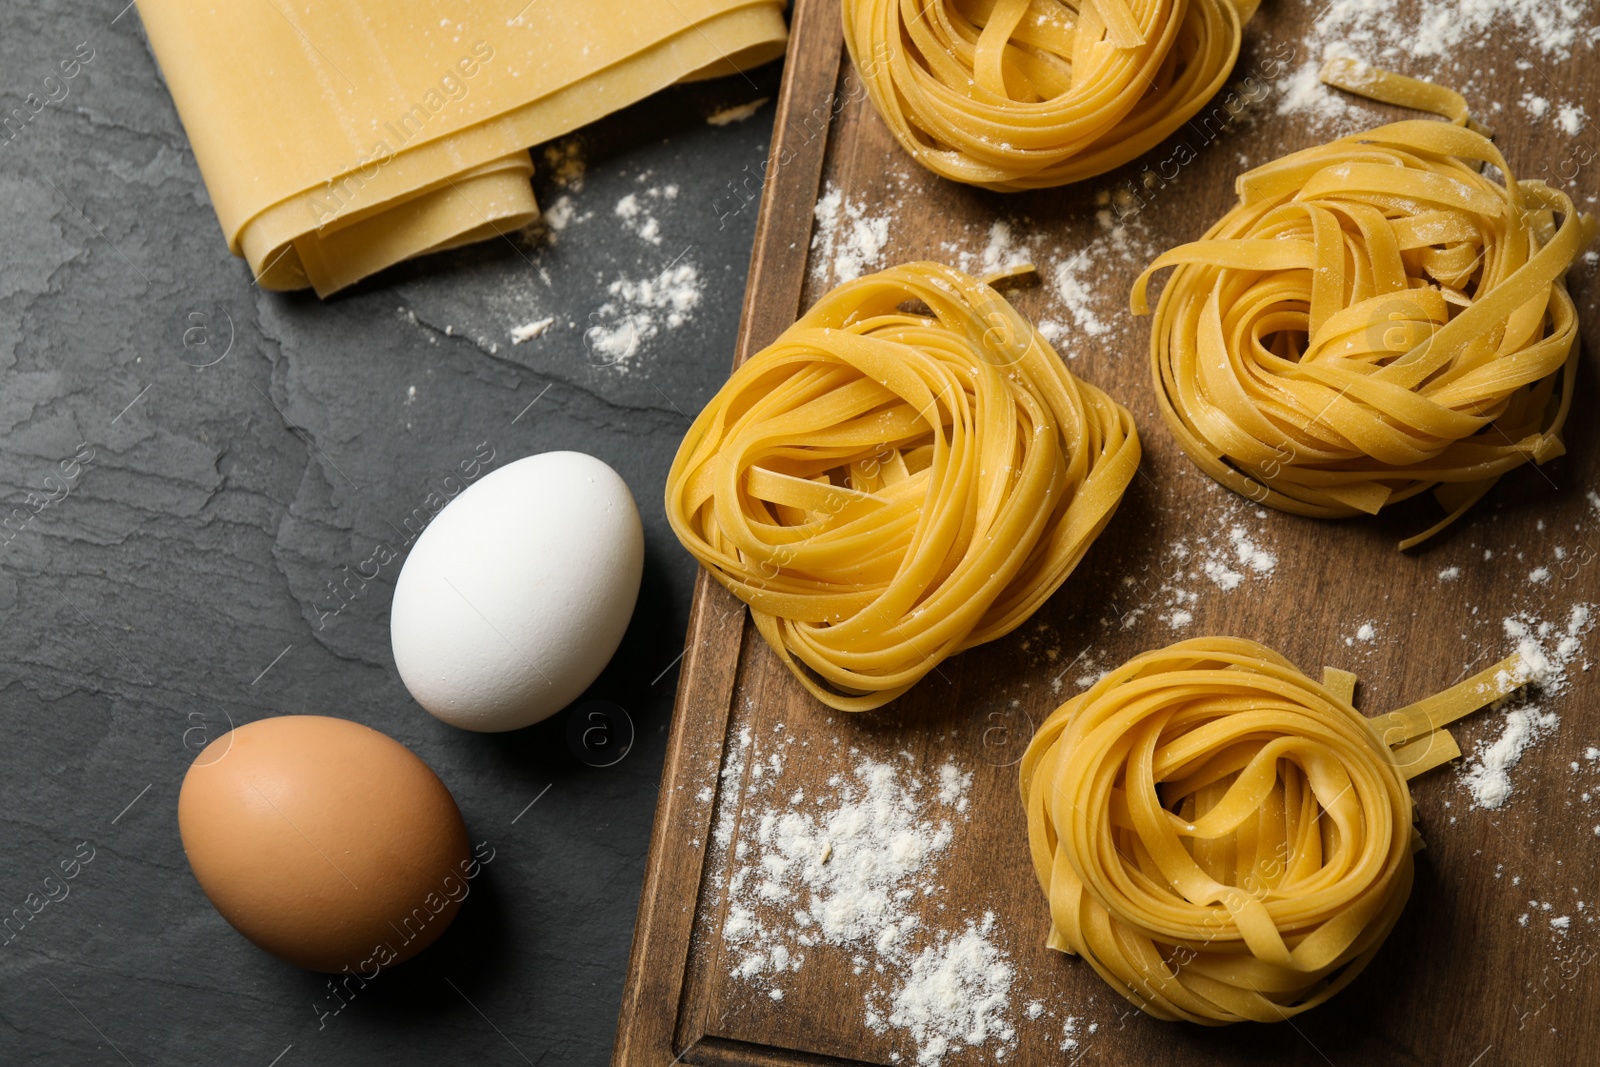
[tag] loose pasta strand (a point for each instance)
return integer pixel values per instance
(1375, 319)
(1027, 94)
(1224, 839)
(886, 487)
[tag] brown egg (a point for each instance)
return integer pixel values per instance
(324, 842)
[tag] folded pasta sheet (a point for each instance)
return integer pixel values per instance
(339, 139)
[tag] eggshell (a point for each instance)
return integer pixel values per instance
(517, 594)
(324, 842)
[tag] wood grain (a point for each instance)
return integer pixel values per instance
(1461, 981)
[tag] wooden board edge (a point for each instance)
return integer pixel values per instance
(793, 176)
(657, 960)
(648, 1022)
(726, 1052)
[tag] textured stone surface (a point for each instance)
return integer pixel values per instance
(187, 577)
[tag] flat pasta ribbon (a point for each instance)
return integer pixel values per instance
(887, 487)
(339, 139)
(1026, 94)
(1376, 318)
(1224, 839)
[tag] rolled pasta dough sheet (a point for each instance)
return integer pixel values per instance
(337, 140)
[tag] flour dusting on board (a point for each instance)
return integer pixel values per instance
(1441, 28)
(854, 871)
(1220, 554)
(1545, 651)
(1446, 41)
(1096, 314)
(1004, 250)
(956, 996)
(848, 241)
(1082, 309)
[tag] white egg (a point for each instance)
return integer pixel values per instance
(517, 594)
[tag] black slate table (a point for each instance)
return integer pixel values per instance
(247, 452)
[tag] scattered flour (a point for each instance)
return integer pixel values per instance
(639, 310)
(635, 211)
(853, 870)
(956, 995)
(559, 215)
(1366, 633)
(1169, 589)
(1249, 553)
(727, 116)
(847, 239)
(1003, 250)
(1096, 313)
(1444, 40)
(529, 331)
(1303, 91)
(731, 775)
(1442, 29)
(1226, 578)
(1488, 777)
(1078, 295)
(1227, 559)
(1545, 650)
(954, 786)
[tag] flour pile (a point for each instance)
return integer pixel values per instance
(856, 870)
(1546, 650)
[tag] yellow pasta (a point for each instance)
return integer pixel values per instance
(339, 139)
(1376, 318)
(1225, 839)
(1025, 94)
(908, 471)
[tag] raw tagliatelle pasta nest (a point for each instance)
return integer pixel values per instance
(908, 471)
(1026, 94)
(1377, 317)
(1225, 839)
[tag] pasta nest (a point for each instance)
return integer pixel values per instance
(1026, 94)
(1225, 839)
(906, 472)
(1376, 318)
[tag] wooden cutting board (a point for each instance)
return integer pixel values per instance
(1475, 973)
